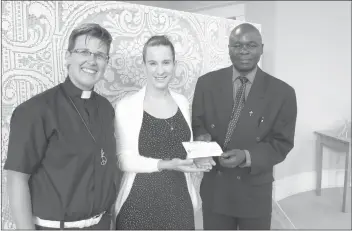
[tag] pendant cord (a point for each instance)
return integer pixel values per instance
(102, 153)
(171, 127)
(84, 122)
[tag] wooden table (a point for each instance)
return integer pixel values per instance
(328, 139)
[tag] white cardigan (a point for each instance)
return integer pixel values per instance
(128, 122)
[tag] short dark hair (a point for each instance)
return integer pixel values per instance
(90, 29)
(158, 40)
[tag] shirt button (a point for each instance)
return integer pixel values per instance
(212, 126)
(257, 139)
(238, 178)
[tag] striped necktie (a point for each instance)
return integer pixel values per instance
(236, 110)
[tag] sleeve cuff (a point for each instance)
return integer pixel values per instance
(248, 162)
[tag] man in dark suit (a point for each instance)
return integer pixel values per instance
(252, 116)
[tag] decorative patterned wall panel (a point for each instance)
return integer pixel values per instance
(35, 37)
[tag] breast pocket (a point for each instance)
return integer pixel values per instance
(266, 120)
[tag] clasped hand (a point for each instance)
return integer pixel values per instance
(232, 158)
(186, 165)
(228, 159)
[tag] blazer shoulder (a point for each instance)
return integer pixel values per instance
(280, 85)
(215, 78)
(216, 73)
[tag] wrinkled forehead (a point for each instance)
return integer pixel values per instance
(245, 36)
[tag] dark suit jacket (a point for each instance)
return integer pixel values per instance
(244, 192)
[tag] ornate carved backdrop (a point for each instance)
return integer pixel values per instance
(35, 36)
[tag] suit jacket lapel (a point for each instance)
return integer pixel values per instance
(224, 95)
(257, 93)
(253, 108)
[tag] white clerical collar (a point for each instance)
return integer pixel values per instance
(86, 94)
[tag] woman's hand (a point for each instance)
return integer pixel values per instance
(177, 164)
(204, 162)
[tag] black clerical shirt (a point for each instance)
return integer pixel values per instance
(49, 141)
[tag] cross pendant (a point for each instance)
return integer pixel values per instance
(103, 158)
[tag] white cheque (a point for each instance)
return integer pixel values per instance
(198, 149)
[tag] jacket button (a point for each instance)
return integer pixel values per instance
(212, 126)
(257, 139)
(218, 172)
(238, 178)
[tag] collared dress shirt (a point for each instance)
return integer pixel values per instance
(49, 141)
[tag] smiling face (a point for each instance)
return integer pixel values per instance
(245, 48)
(85, 71)
(159, 66)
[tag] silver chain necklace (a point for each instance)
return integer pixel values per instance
(171, 127)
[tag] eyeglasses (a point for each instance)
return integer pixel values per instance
(86, 53)
(239, 47)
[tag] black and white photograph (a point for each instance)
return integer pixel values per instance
(175, 115)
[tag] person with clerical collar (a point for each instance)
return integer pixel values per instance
(61, 161)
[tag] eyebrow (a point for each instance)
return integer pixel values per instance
(86, 49)
(245, 42)
(161, 60)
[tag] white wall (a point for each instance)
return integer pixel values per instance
(264, 13)
(313, 54)
(228, 10)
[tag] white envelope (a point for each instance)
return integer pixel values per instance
(198, 149)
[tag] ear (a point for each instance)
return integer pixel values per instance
(67, 55)
(262, 48)
(67, 59)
